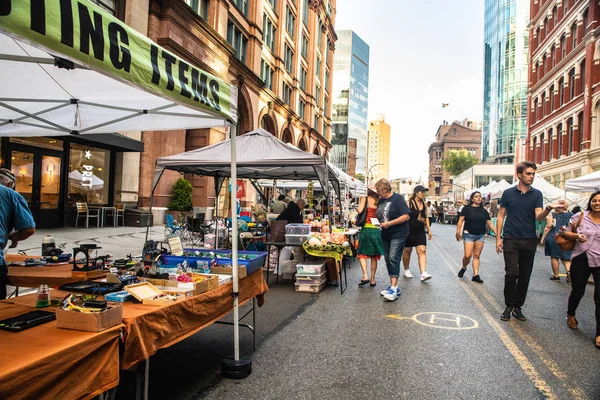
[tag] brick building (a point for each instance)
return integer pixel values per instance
(563, 99)
(455, 136)
(378, 149)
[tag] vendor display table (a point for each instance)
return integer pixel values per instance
(278, 246)
(335, 251)
(46, 362)
(150, 328)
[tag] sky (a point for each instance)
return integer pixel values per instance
(422, 54)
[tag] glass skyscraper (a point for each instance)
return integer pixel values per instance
(506, 54)
(350, 103)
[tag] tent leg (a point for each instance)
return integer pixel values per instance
(235, 368)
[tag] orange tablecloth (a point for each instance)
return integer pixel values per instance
(150, 328)
(46, 362)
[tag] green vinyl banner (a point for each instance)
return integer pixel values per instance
(85, 34)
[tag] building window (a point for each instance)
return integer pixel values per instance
(326, 106)
(237, 40)
(543, 104)
(561, 92)
(572, 84)
(553, 55)
(550, 145)
(327, 81)
(327, 56)
(303, 78)
(574, 35)
(454, 133)
(266, 74)
(319, 33)
(551, 94)
(200, 7)
(304, 47)
(324, 129)
(535, 110)
(108, 5)
(563, 46)
(273, 4)
(287, 94)
(566, 7)
(544, 65)
(301, 109)
(580, 123)
(585, 21)
(318, 94)
(318, 71)
(305, 12)
(290, 21)
(268, 32)
(242, 5)
(288, 59)
(89, 170)
(535, 149)
(559, 139)
(554, 16)
(582, 76)
(316, 122)
(542, 147)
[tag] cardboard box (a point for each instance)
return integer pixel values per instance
(92, 322)
(177, 290)
(145, 291)
(210, 282)
(221, 279)
(221, 270)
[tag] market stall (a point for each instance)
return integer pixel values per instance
(587, 183)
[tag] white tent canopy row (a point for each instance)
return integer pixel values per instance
(586, 183)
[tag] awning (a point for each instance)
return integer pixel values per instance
(70, 67)
(109, 141)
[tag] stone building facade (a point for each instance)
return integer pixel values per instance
(564, 98)
(278, 53)
(455, 136)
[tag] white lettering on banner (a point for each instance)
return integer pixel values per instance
(87, 173)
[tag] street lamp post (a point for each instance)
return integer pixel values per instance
(369, 172)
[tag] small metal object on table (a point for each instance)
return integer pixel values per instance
(279, 246)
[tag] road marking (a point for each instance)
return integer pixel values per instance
(527, 367)
(552, 366)
(440, 320)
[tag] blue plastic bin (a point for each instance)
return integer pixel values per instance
(251, 265)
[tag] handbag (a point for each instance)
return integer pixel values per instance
(361, 218)
(564, 243)
(420, 216)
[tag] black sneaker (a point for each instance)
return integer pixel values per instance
(462, 272)
(505, 316)
(518, 314)
(477, 279)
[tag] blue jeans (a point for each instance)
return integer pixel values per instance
(392, 252)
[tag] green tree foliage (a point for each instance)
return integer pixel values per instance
(181, 197)
(458, 161)
(359, 177)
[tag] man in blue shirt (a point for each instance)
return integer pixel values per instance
(520, 206)
(16, 221)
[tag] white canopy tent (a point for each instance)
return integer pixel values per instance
(62, 74)
(586, 183)
(495, 190)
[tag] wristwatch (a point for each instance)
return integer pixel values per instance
(548, 208)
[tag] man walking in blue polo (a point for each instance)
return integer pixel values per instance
(520, 206)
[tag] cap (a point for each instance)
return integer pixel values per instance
(420, 188)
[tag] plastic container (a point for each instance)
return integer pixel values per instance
(311, 279)
(309, 288)
(296, 239)
(310, 268)
(297, 229)
(256, 261)
(120, 297)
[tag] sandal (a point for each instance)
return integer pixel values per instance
(363, 282)
(598, 342)
(555, 278)
(572, 322)
(373, 284)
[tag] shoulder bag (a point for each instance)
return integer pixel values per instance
(564, 243)
(420, 216)
(361, 218)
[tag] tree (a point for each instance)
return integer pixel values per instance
(458, 161)
(359, 177)
(182, 196)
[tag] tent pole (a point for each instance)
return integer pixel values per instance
(150, 211)
(234, 244)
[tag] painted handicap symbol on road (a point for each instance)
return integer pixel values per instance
(440, 320)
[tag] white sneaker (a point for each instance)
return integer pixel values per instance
(407, 274)
(384, 292)
(425, 276)
(392, 294)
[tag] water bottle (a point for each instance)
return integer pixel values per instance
(43, 296)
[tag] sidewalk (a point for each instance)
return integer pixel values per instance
(116, 241)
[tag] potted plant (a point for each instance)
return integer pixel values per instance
(180, 205)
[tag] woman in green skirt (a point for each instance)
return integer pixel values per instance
(370, 244)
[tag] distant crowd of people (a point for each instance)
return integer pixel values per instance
(393, 228)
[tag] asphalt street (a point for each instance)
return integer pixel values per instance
(440, 340)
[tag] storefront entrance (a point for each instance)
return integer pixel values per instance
(38, 173)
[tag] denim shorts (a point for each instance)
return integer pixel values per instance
(469, 237)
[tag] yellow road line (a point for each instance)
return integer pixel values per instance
(527, 367)
(552, 366)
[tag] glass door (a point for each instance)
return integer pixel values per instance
(38, 173)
